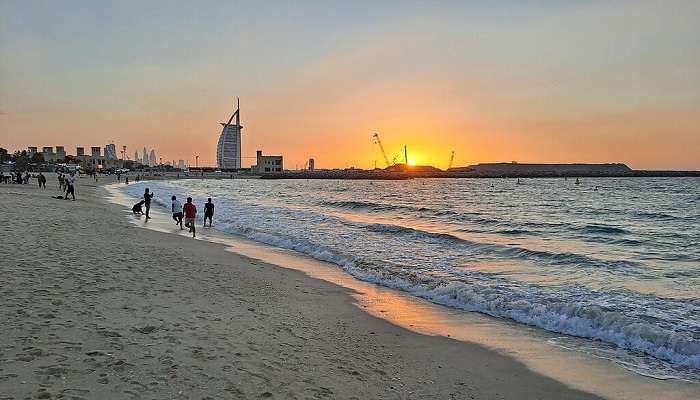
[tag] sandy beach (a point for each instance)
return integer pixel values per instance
(95, 308)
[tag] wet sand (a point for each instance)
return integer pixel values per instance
(95, 308)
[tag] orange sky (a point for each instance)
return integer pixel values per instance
(581, 82)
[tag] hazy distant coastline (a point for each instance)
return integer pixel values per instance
(486, 170)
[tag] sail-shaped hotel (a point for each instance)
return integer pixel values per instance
(228, 150)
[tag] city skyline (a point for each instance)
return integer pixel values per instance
(545, 82)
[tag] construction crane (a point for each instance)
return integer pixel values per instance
(381, 147)
(452, 158)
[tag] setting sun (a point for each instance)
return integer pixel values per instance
(411, 162)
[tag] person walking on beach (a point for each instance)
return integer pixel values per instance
(126, 180)
(147, 196)
(208, 212)
(177, 211)
(61, 181)
(70, 186)
(42, 180)
(190, 215)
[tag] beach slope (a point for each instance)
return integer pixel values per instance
(93, 307)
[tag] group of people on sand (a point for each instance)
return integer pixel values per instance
(186, 212)
(15, 177)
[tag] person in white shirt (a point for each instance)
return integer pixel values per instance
(177, 211)
(70, 185)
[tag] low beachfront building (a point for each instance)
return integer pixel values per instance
(95, 160)
(267, 164)
(48, 152)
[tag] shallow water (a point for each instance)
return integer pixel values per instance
(619, 264)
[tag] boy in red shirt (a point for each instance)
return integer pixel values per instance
(190, 214)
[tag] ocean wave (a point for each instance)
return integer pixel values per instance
(653, 215)
(603, 229)
(370, 206)
(556, 312)
(513, 252)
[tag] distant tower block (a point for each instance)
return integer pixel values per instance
(111, 151)
(228, 150)
(312, 164)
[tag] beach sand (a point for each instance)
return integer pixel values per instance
(95, 308)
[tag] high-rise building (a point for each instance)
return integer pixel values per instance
(312, 164)
(144, 159)
(136, 157)
(181, 164)
(111, 151)
(152, 158)
(228, 149)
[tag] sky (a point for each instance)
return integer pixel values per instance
(493, 81)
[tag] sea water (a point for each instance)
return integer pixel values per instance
(612, 263)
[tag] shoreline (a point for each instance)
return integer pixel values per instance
(548, 353)
(341, 350)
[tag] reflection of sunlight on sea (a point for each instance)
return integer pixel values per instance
(610, 265)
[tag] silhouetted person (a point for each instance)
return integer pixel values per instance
(147, 196)
(41, 179)
(208, 211)
(136, 209)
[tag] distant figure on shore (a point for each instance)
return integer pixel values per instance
(577, 182)
(137, 209)
(119, 178)
(61, 181)
(208, 212)
(190, 215)
(26, 178)
(138, 177)
(70, 185)
(126, 180)
(177, 211)
(147, 196)
(41, 179)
